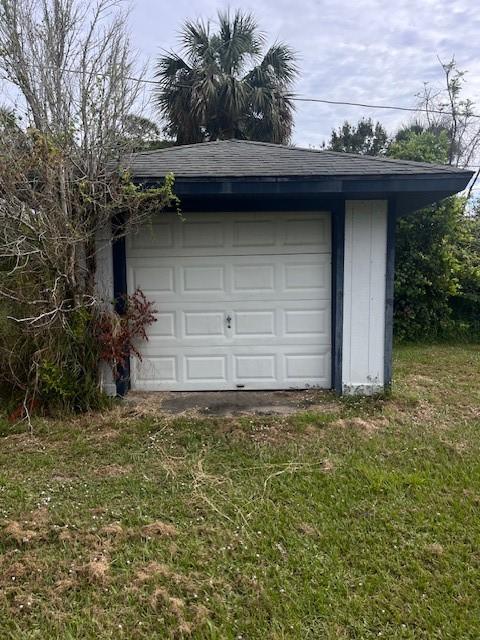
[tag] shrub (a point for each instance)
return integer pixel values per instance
(117, 335)
(57, 370)
(437, 275)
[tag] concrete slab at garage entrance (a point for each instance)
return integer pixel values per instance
(231, 403)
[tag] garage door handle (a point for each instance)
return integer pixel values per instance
(228, 320)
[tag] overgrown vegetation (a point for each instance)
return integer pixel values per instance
(437, 273)
(60, 188)
(354, 518)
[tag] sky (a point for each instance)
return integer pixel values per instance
(374, 51)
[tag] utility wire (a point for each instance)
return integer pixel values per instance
(381, 106)
(295, 97)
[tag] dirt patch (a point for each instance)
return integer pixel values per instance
(65, 584)
(307, 529)
(23, 442)
(151, 571)
(19, 568)
(65, 535)
(435, 549)
(328, 465)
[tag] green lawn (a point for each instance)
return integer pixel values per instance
(358, 521)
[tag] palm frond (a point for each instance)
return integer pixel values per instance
(280, 60)
(239, 38)
(196, 41)
(169, 66)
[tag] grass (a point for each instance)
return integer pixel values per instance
(358, 520)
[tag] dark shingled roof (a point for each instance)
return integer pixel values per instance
(240, 158)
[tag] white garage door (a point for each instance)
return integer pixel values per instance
(243, 301)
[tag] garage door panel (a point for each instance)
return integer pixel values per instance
(307, 275)
(255, 233)
(268, 273)
(285, 277)
(206, 367)
(259, 367)
(155, 278)
(242, 367)
(151, 237)
(253, 323)
(164, 325)
(284, 322)
(203, 278)
(305, 365)
(202, 234)
(253, 277)
(198, 324)
(232, 234)
(300, 232)
(307, 322)
(156, 369)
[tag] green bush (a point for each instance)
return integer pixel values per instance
(51, 370)
(437, 274)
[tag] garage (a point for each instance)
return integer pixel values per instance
(243, 301)
(278, 274)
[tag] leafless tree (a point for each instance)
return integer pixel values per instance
(447, 109)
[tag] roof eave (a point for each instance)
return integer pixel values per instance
(444, 183)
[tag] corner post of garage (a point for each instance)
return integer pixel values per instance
(120, 291)
(338, 253)
(367, 297)
(389, 291)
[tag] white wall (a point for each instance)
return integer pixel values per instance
(104, 287)
(364, 296)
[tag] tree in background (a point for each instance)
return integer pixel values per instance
(415, 142)
(437, 277)
(142, 134)
(446, 109)
(365, 138)
(221, 87)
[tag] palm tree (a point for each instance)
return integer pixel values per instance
(223, 88)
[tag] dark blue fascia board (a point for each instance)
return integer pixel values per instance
(344, 185)
(120, 291)
(338, 259)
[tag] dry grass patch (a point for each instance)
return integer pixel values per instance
(113, 529)
(113, 471)
(159, 529)
(367, 426)
(96, 570)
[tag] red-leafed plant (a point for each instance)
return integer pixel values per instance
(118, 334)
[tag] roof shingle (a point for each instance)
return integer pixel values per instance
(240, 158)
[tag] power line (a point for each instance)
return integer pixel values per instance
(382, 106)
(294, 97)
